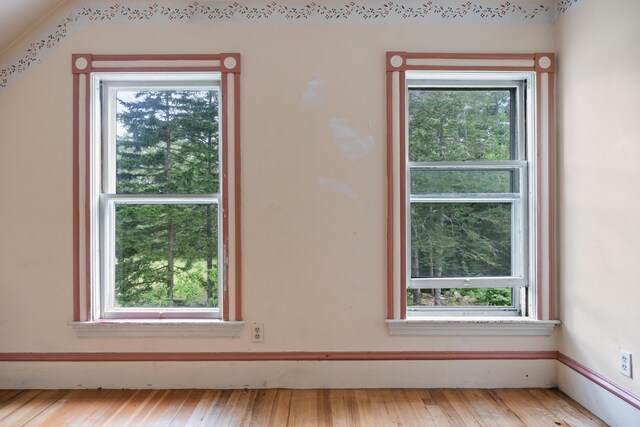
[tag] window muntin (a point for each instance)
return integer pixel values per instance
(467, 180)
(159, 195)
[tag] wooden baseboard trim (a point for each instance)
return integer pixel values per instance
(277, 356)
(598, 379)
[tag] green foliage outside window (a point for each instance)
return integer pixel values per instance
(166, 255)
(460, 239)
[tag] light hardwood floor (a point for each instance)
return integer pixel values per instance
(359, 407)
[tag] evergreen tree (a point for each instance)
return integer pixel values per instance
(167, 143)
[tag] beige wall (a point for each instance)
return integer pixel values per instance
(314, 258)
(598, 47)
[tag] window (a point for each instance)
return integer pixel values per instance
(468, 192)
(470, 224)
(161, 218)
(158, 194)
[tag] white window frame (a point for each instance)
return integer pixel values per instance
(90, 317)
(104, 87)
(522, 163)
(538, 315)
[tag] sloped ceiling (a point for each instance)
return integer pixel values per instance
(17, 16)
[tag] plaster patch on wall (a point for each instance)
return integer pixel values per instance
(315, 95)
(337, 186)
(353, 146)
(77, 14)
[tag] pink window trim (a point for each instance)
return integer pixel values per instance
(402, 69)
(76, 208)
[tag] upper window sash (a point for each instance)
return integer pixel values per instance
(473, 81)
(107, 86)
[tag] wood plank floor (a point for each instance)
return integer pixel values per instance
(353, 407)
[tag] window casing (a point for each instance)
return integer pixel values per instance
(504, 200)
(130, 195)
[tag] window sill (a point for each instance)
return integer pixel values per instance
(129, 328)
(474, 326)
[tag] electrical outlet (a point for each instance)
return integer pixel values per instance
(625, 363)
(257, 332)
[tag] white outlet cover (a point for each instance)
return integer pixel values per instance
(625, 363)
(257, 332)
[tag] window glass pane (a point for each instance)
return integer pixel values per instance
(429, 181)
(166, 255)
(167, 141)
(460, 124)
(467, 297)
(460, 239)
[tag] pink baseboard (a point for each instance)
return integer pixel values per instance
(598, 379)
